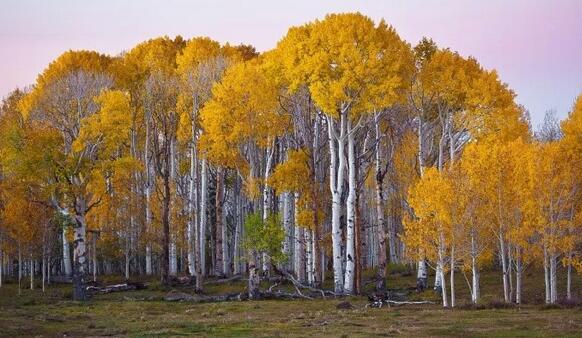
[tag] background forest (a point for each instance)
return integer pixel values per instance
(342, 150)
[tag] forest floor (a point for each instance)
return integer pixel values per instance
(145, 313)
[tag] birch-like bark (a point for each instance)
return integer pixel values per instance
(31, 272)
(299, 250)
(475, 270)
(553, 279)
(147, 188)
(80, 250)
(203, 212)
(437, 279)
(219, 242)
(380, 226)
(452, 274)
(518, 278)
(441, 274)
(308, 239)
(66, 254)
(503, 258)
(568, 278)
(422, 273)
(267, 200)
(351, 213)
(287, 224)
(336, 178)
(192, 203)
(546, 275)
(173, 256)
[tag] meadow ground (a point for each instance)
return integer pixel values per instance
(145, 313)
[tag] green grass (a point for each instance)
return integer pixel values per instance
(144, 313)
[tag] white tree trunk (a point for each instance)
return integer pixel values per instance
(475, 271)
(192, 212)
(173, 256)
(452, 274)
(504, 268)
(421, 274)
(287, 223)
(66, 254)
(553, 279)
(351, 214)
(441, 276)
(299, 247)
(547, 276)
(437, 278)
(336, 175)
(267, 200)
(309, 254)
(31, 273)
(147, 188)
(518, 279)
(203, 211)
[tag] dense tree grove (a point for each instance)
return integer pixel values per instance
(344, 148)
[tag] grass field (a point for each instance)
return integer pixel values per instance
(145, 313)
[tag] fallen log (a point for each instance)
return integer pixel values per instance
(116, 287)
(298, 285)
(178, 296)
(378, 301)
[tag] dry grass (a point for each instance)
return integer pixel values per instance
(144, 313)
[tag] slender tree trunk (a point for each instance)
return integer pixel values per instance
(66, 254)
(351, 214)
(147, 189)
(299, 257)
(568, 281)
(80, 251)
(437, 279)
(166, 229)
(357, 239)
(546, 275)
(127, 256)
(504, 269)
(441, 276)
(31, 272)
(192, 203)
(287, 224)
(267, 200)
(452, 276)
(553, 279)
(510, 272)
(203, 211)
(518, 278)
(254, 278)
(336, 179)
(309, 255)
(421, 275)
(380, 226)
(219, 242)
(19, 269)
(475, 270)
(94, 251)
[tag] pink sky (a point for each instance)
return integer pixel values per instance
(535, 45)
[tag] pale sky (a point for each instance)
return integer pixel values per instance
(535, 45)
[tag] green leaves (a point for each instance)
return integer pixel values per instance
(265, 236)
